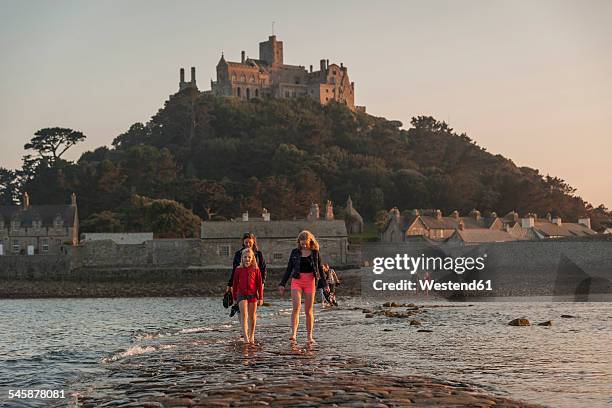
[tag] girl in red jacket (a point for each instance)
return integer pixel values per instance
(247, 289)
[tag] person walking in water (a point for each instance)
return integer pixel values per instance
(306, 272)
(247, 290)
(249, 240)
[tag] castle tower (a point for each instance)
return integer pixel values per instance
(191, 83)
(271, 51)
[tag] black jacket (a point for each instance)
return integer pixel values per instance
(293, 268)
(261, 262)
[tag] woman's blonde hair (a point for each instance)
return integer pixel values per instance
(243, 254)
(308, 237)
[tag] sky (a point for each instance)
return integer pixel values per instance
(531, 81)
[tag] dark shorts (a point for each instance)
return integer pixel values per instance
(248, 298)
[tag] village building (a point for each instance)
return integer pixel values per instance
(276, 239)
(434, 226)
(553, 227)
(38, 229)
(269, 76)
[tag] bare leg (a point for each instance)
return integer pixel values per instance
(243, 319)
(309, 299)
(296, 298)
(252, 321)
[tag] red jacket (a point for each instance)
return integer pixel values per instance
(247, 281)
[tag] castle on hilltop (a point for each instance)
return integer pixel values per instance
(269, 76)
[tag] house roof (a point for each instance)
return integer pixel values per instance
(566, 229)
(431, 222)
(482, 235)
(272, 229)
(44, 213)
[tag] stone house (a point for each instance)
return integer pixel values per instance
(352, 218)
(38, 229)
(276, 239)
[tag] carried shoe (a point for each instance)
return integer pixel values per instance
(235, 309)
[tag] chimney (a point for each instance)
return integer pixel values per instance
(193, 80)
(242, 57)
(476, 214)
(461, 225)
(245, 216)
(322, 65)
(265, 215)
(313, 214)
(329, 211)
(311, 68)
(528, 222)
(73, 201)
(586, 221)
(341, 65)
(26, 200)
(455, 214)
(549, 216)
(438, 214)
(326, 64)
(182, 75)
(557, 221)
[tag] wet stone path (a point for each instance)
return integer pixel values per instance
(213, 368)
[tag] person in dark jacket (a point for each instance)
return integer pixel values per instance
(249, 240)
(306, 272)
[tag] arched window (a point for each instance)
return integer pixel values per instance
(257, 93)
(234, 77)
(242, 78)
(252, 78)
(238, 92)
(15, 224)
(248, 93)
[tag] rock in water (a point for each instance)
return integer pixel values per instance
(568, 316)
(519, 322)
(546, 323)
(415, 322)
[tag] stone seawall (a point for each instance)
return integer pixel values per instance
(181, 268)
(578, 268)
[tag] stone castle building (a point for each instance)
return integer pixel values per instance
(269, 76)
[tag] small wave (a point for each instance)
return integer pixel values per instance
(195, 330)
(136, 350)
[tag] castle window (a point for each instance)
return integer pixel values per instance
(257, 93)
(277, 256)
(15, 224)
(286, 94)
(252, 79)
(248, 93)
(242, 78)
(44, 244)
(234, 77)
(238, 92)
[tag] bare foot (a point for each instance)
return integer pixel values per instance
(311, 341)
(292, 338)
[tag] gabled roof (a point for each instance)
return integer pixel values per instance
(566, 229)
(272, 229)
(482, 235)
(44, 213)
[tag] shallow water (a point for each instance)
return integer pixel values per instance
(84, 346)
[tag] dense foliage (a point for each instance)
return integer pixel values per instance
(218, 157)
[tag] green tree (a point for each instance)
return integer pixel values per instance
(54, 142)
